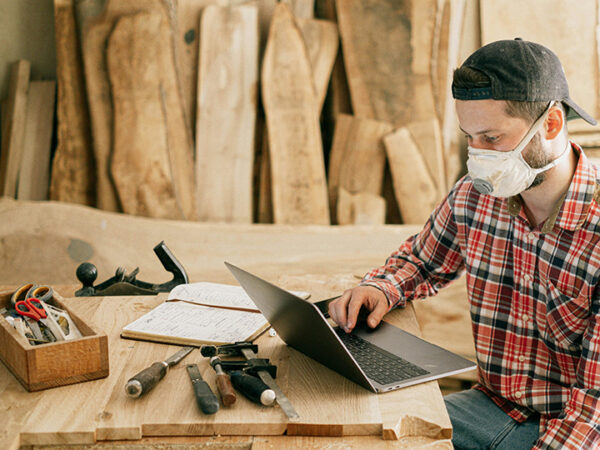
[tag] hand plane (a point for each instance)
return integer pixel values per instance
(127, 284)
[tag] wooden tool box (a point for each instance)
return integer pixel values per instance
(55, 364)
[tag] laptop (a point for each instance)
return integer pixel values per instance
(380, 359)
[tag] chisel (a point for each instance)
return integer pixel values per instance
(149, 377)
(206, 399)
(223, 382)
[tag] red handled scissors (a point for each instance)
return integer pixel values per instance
(31, 308)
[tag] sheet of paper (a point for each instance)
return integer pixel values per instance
(187, 323)
(217, 294)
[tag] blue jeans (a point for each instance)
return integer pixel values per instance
(479, 424)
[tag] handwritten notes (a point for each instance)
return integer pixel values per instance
(185, 323)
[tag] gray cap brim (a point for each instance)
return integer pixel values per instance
(574, 111)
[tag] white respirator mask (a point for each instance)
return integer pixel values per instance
(505, 174)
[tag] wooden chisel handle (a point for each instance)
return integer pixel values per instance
(226, 389)
(144, 381)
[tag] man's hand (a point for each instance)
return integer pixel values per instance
(344, 310)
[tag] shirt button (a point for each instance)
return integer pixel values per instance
(525, 317)
(527, 277)
(573, 347)
(531, 235)
(521, 358)
(518, 394)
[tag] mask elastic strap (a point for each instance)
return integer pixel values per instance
(533, 130)
(555, 162)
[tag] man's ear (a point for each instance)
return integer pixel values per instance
(554, 122)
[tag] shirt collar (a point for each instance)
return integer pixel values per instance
(573, 207)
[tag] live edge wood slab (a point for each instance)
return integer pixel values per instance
(328, 404)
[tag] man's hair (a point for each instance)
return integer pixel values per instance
(467, 78)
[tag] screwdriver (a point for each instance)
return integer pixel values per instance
(145, 380)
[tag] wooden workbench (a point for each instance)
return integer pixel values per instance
(322, 260)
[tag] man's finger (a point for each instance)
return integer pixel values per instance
(337, 308)
(377, 314)
(354, 306)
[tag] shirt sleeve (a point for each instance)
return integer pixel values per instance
(425, 262)
(578, 426)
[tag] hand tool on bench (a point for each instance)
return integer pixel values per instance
(205, 398)
(145, 380)
(127, 284)
(223, 382)
(31, 308)
(265, 371)
(253, 388)
(41, 292)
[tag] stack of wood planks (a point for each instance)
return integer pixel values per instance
(283, 111)
(26, 130)
(252, 111)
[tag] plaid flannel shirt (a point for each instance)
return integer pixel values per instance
(534, 304)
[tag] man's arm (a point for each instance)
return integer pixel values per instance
(423, 264)
(578, 426)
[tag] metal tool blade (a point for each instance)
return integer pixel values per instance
(283, 402)
(194, 373)
(174, 359)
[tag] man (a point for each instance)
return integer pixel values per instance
(524, 225)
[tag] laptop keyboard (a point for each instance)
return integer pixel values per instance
(378, 364)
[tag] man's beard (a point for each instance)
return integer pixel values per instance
(536, 158)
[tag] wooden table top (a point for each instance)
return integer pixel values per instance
(332, 408)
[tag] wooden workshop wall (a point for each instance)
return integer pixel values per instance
(246, 111)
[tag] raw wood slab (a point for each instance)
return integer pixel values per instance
(13, 131)
(416, 190)
(357, 158)
(322, 41)
(296, 154)
(226, 119)
(551, 26)
(187, 40)
(302, 9)
(152, 153)
(52, 254)
(445, 58)
(73, 166)
(34, 173)
(96, 19)
(363, 208)
(427, 136)
(388, 74)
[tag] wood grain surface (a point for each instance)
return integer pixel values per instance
(226, 119)
(73, 165)
(357, 158)
(34, 173)
(96, 19)
(13, 130)
(321, 260)
(152, 153)
(416, 190)
(295, 147)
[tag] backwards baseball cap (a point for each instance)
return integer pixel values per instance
(522, 71)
